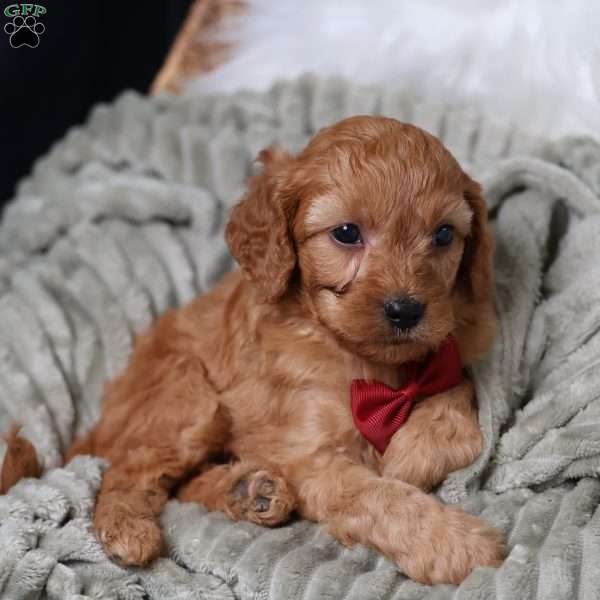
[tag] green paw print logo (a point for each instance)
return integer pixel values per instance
(24, 29)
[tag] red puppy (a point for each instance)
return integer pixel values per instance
(360, 257)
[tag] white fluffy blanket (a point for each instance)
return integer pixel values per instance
(530, 62)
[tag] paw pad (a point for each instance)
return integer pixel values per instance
(261, 498)
(24, 31)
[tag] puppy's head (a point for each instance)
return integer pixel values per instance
(379, 231)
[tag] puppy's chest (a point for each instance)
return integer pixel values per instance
(316, 398)
(301, 393)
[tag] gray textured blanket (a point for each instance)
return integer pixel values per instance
(123, 219)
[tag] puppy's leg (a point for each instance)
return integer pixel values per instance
(441, 435)
(430, 542)
(174, 429)
(243, 491)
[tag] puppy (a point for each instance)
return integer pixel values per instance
(365, 264)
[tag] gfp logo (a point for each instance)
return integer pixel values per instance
(24, 29)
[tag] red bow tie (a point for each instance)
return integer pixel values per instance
(379, 411)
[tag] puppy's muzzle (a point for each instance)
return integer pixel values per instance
(403, 312)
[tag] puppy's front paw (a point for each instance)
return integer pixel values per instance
(458, 544)
(129, 538)
(472, 544)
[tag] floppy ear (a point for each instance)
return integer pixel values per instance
(258, 231)
(476, 316)
(475, 274)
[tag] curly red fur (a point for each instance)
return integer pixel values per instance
(260, 368)
(20, 460)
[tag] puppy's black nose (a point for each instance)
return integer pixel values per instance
(404, 312)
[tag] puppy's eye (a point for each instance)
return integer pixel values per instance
(443, 235)
(348, 234)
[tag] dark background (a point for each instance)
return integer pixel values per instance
(91, 50)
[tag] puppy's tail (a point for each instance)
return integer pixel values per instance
(20, 460)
